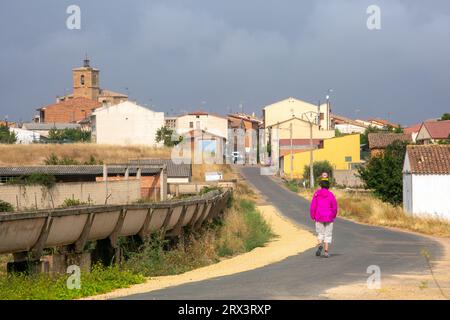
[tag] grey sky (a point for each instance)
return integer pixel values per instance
(178, 54)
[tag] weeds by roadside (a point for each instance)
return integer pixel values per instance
(50, 287)
(241, 230)
(366, 208)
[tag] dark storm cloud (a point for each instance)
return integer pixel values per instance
(184, 55)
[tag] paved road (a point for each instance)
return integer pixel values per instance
(305, 276)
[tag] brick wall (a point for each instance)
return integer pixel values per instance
(150, 187)
(66, 114)
(28, 197)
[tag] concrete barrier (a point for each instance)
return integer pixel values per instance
(32, 232)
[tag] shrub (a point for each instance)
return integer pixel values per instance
(73, 203)
(7, 136)
(168, 137)
(6, 207)
(318, 168)
(207, 189)
(68, 135)
(383, 173)
(54, 160)
(293, 185)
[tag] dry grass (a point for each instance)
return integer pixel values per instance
(35, 154)
(4, 259)
(198, 171)
(365, 208)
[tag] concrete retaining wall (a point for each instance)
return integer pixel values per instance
(37, 197)
(31, 232)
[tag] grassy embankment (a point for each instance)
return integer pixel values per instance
(199, 170)
(366, 208)
(36, 154)
(241, 230)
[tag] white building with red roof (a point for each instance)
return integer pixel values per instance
(426, 181)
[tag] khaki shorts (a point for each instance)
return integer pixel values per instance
(324, 231)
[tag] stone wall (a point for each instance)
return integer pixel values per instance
(347, 178)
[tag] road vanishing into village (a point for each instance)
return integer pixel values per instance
(305, 276)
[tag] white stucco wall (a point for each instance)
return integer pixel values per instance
(430, 195)
(25, 136)
(349, 128)
(286, 109)
(209, 123)
(126, 124)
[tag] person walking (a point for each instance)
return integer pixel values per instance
(323, 211)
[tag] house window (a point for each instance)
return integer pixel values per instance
(82, 80)
(191, 125)
(348, 159)
(322, 116)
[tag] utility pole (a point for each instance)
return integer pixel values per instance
(292, 152)
(311, 156)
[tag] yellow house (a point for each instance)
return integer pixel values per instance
(294, 108)
(341, 152)
(301, 129)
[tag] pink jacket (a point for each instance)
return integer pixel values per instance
(323, 206)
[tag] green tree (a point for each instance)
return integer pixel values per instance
(7, 136)
(383, 174)
(445, 141)
(167, 136)
(319, 167)
(445, 116)
(365, 136)
(68, 135)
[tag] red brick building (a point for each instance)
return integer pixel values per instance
(87, 96)
(67, 111)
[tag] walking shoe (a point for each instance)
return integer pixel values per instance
(326, 255)
(319, 251)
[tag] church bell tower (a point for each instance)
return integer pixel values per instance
(86, 81)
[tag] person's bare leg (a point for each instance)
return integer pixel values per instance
(326, 254)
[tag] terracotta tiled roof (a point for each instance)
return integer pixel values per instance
(235, 123)
(382, 140)
(198, 113)
(412, 129)
(383, 122)
(109, 93)
(342, 120)
(429, 159)
(438, 129)
(79, 102)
